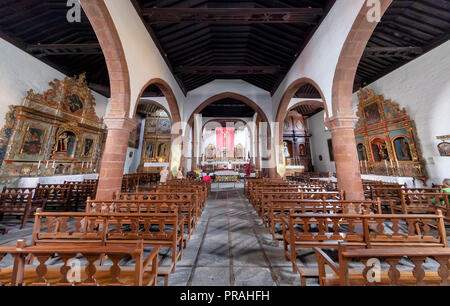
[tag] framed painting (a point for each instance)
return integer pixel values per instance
(330, 149)
(372, 113)
(74, 103)
(444, 148)
(33, 141)
(88, 147)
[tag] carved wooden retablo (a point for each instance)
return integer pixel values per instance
(386, 138)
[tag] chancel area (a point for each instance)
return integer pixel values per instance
(224, 143)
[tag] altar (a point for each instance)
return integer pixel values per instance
(226, 176)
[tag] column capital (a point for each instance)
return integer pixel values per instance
(341, 122)
(120, 123)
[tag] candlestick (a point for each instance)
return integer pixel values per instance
(46, 166)
(53, 165)
(82, 165)
(39, 165)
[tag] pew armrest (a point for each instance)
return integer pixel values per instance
(322, 260)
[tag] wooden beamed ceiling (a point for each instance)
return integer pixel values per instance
(256, 41)
(407, 30)
(206, 40)
(40, 27)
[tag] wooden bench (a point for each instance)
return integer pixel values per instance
(372, 231)
(185, 207)
(282, 208)
(419, 202)
(163, 230)
(393, 276)
(20, 202)
(145, 269)
(265, 197)
(56, 196)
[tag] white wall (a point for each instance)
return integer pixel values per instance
(199, 95)
(319, 144)
(143, 57)
(423, 88)
(319, 59)
(20, 72)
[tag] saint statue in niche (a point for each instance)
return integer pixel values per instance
(302, 149)
(162, 150)
(66, 143)
(63, 141)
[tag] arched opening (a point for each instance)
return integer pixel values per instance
(156, 97)
(302, 100)
(225, 108)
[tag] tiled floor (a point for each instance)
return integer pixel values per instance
(232, 247)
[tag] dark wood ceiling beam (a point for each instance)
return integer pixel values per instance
(232, 15)
(230, 70)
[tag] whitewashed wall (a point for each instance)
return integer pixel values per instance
(143, 57)
(423, 88)
(319, 59)
(319, 144)
(199, 95)
(20, 72)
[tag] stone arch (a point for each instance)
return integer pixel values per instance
(289, 94)
(112, 48)
(168, 93)
(349, 59)
(225, 95)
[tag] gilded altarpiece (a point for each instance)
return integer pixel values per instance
(386, 139)
(157, 141)
(56, 132)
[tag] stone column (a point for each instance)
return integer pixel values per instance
(346, 156)
(114, 156)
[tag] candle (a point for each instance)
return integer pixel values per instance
(46, 166)
(39, 164)
(82, 165)
(386, 164)
(53, 164)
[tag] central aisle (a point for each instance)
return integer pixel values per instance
(230, 247)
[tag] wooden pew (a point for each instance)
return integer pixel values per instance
(279, 209)
(163, 230)
(186, 206)
(90, 275)
(20, 202)
(56, 196)
(265, 197)
(395, 275)
(306, 231)
(419, 202)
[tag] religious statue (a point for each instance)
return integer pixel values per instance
(164, 175)
(62, 143)
(406, 154)
(180, 174)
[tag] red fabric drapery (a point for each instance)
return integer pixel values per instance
(225, 138)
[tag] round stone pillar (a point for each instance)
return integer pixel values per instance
(346, 156)
(114, 156)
